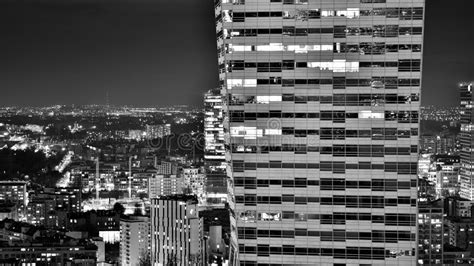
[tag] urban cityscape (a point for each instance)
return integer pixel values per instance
(314, 147)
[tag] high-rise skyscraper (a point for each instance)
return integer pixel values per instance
(430, 233)
(214, 151)
(321, 104)
(134, 240)
(176, 231)
(467, 138)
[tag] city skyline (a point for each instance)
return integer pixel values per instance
(236, 132)
(78, 52)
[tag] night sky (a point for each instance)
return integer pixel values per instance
(163, 52)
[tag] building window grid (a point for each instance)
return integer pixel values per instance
(279, 82)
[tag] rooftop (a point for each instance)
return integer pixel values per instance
(179, 197)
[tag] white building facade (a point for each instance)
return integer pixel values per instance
(176, 231)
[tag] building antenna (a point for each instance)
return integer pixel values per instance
(107, 99)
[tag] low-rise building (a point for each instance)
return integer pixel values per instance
(165, 185)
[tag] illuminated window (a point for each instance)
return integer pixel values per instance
(269, 216)
(372, 115)
(305, 48)
(246, 132)
(272, 47)
(336, 66)
(272, 131)
(248, 216)
(349, 13)
(250, 83)
(240, 48)
(278, 47)
(268, 99)
(227, 15)
(241, 83)
(235, 2)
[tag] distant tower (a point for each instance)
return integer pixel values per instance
(214, 150)
(107, 99)
(97, 178)
(467, 137)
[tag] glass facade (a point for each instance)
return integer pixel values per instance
(467, 138)
(430, 233)
(214, 150)
(321, 103)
